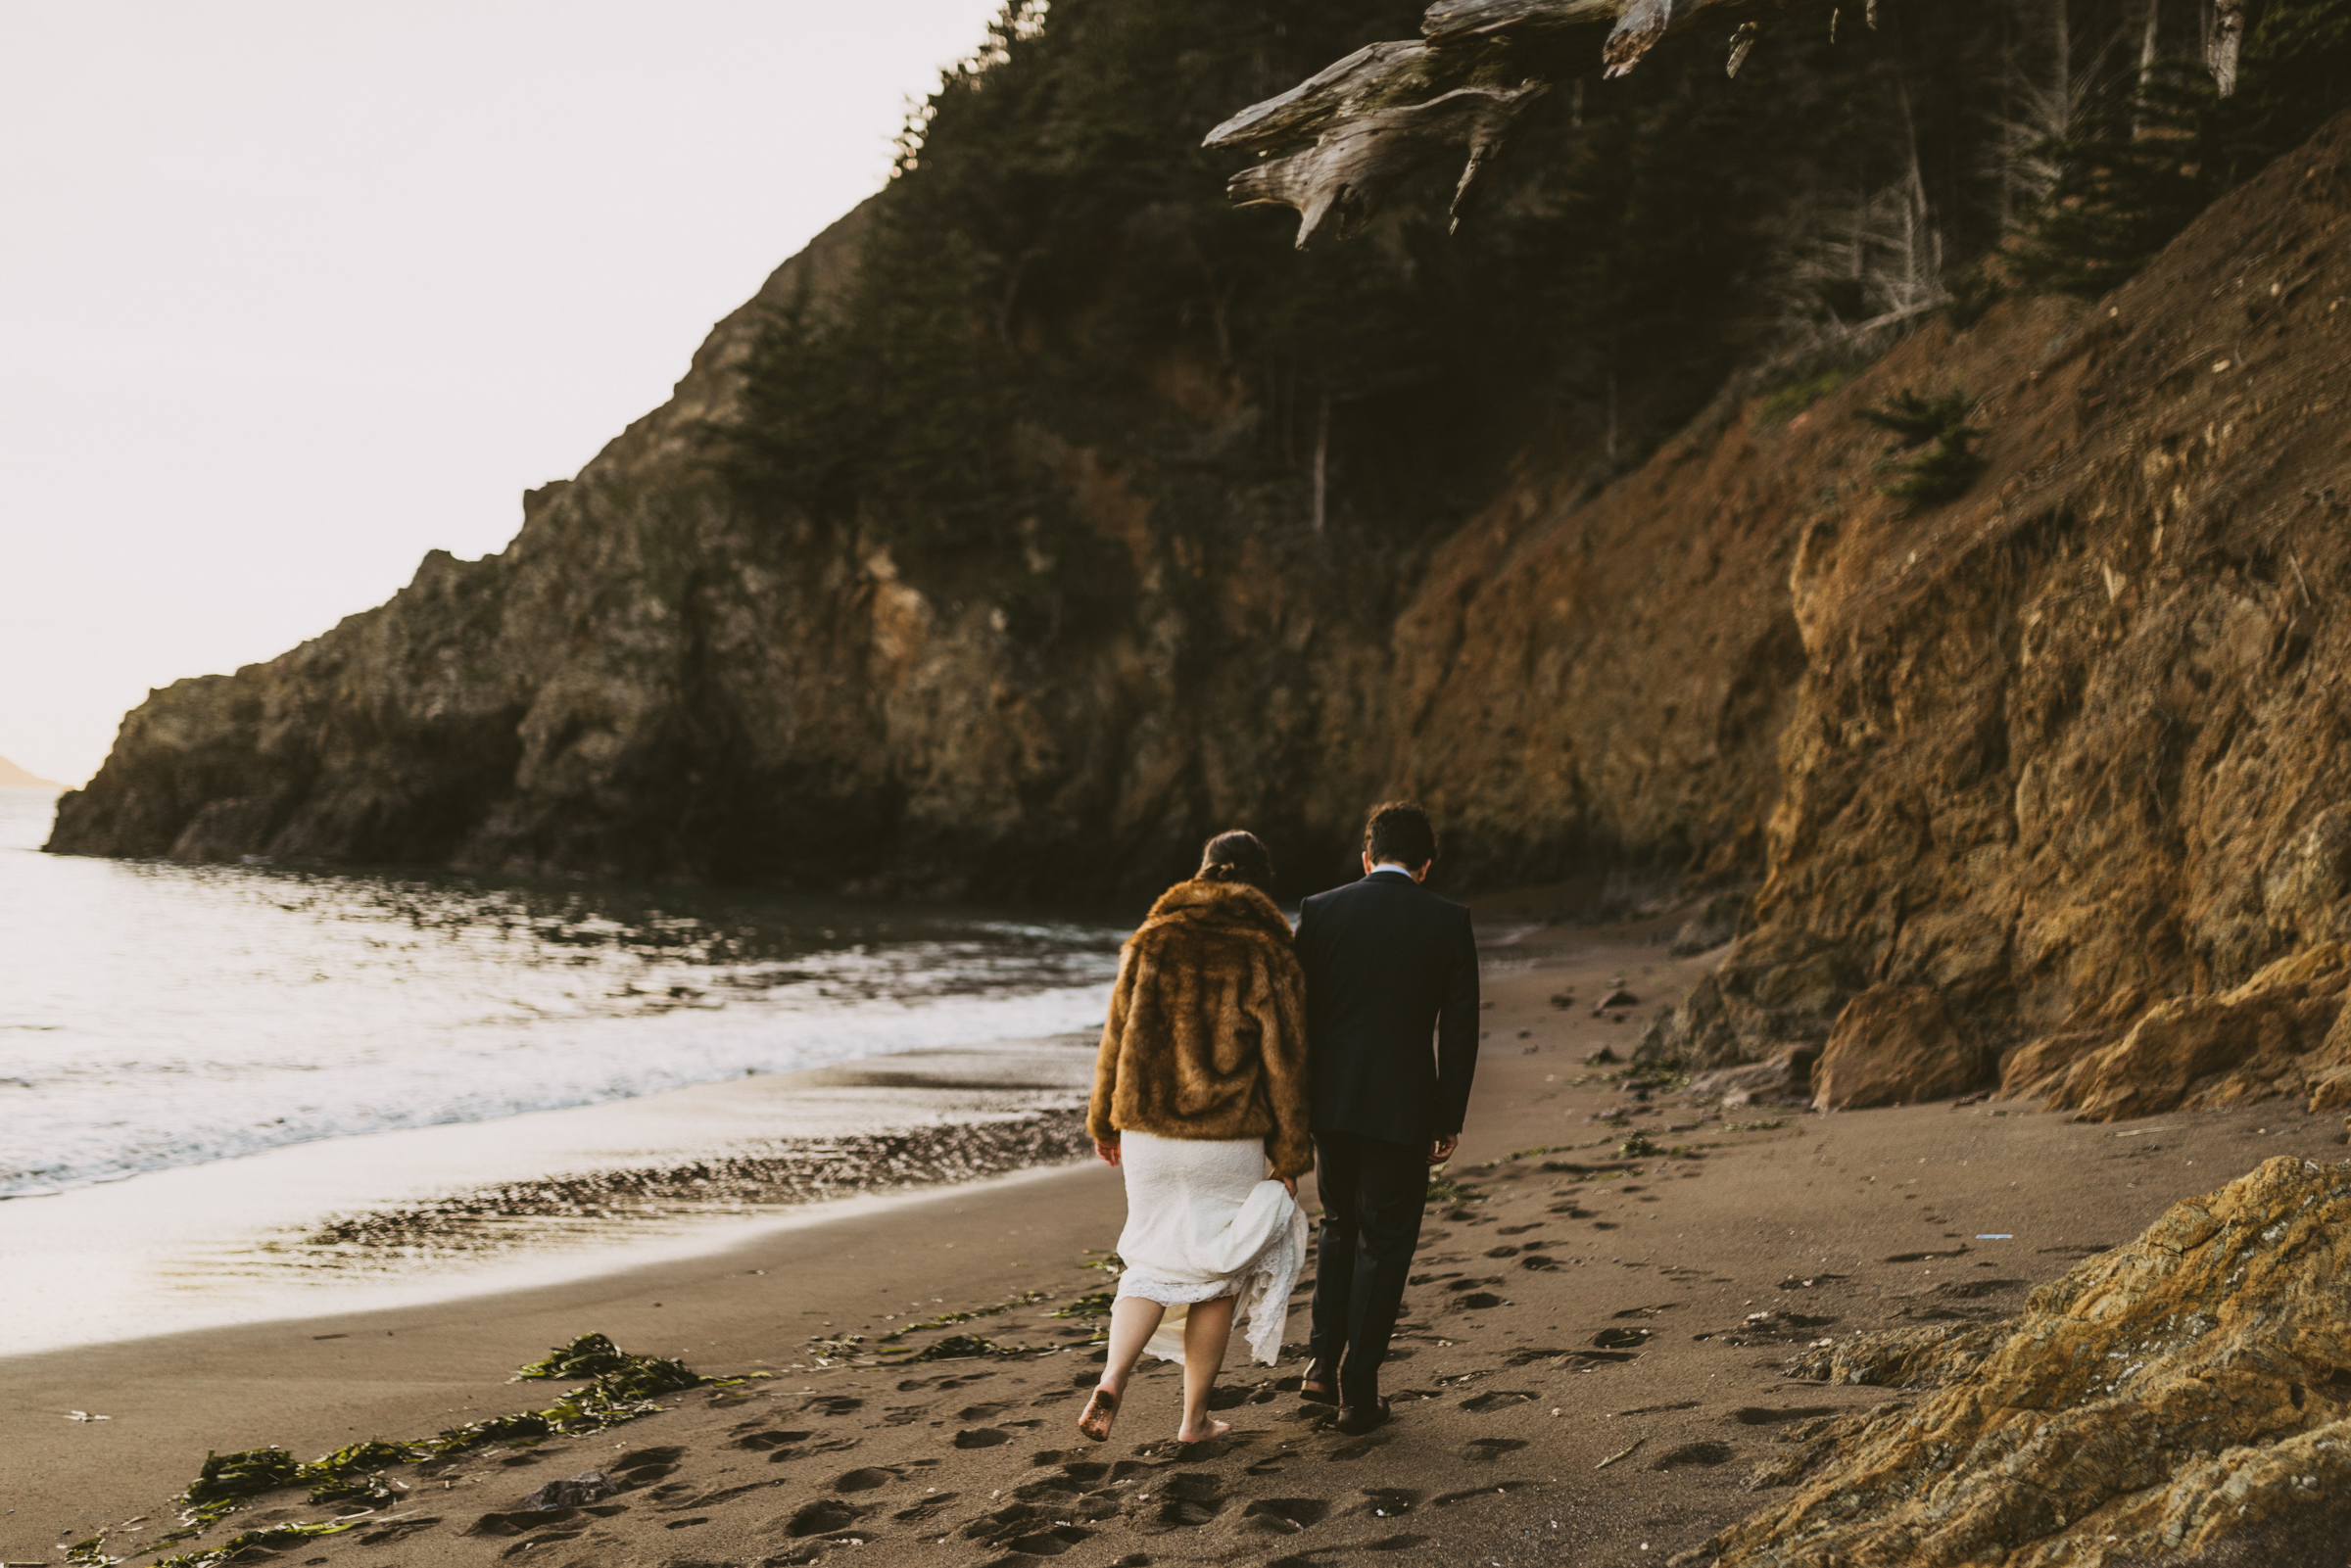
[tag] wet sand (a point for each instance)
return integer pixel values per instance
(1574, 1305)
(405, 1219)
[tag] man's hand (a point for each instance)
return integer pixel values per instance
(1108, 1148)
(1440, 1150)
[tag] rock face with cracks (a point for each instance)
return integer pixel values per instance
(2064, 750)
(2187, 1389)
(1895, 1045)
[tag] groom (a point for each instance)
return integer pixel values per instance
(1388, 966)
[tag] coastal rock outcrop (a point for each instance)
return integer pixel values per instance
(2188, 1389)
(2063, 749)
(1897, 1045)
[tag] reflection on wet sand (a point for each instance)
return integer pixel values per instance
(353, 1223)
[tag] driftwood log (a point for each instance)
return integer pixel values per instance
(1334, 146)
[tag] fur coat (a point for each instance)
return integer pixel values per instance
(1207, 1029)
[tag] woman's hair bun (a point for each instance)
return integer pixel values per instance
(1238, 857)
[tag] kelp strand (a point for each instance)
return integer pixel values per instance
(619, 1386)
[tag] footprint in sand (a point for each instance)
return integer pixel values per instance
(980, 1412)
(1763, 1415)
(832, 1404)
(929, 1508)
(1335, 1555)
(1451, 1500)
(1188, 1499)
(1356, 1450)
(1285, 1516)
(1700, 1453)
(863, 1480)
(822, 1517)
(639, 1458)
(1489, 1449)
(982, 1437)
(1386, 1502)
(1497, 1400)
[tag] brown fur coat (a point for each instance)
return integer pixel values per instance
(1207, 1029)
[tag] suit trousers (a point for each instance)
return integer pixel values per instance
(1372, 1194)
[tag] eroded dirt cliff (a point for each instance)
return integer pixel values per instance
(2069, 747)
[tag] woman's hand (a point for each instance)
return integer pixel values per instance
(1108, 1148)
(1289, 1184)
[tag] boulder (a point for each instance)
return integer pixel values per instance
(2278, 1033)
(2035, 1065)
(589, 1486)
(2332, 1092)
(2188, 1388)
(1897, 1045)
(1785, 1079)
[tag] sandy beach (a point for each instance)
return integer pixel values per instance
(1591, 1364)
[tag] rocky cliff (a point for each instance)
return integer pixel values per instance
(2066, 752)
(2060, 751)
(654, 679)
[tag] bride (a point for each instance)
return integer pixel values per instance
(1200, 1100)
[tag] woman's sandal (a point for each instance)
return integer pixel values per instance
(1100, 1410)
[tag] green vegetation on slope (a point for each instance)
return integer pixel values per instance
(1056, 266)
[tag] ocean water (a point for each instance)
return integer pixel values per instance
(155, 1014)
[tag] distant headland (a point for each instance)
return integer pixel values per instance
(12, 776)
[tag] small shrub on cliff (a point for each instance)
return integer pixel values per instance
(1782, 404)
(1945, 468)
(1914, 418)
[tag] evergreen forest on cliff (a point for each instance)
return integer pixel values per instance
(1056, 237)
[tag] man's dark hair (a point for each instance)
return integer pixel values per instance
(1238, 857)
(1398, 830)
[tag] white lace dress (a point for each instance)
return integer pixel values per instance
(1204, 1219)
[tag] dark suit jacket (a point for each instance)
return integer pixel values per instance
(1389, 964)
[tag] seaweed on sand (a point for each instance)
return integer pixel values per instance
(616, 1387)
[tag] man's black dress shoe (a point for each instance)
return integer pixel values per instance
(1318, 1386)
(1354, 1420)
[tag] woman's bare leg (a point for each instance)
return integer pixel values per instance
(1133, 1321)
(1206, 1329)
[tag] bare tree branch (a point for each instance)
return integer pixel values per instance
(2219, 50)
(1336, 145)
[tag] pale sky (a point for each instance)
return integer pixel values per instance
(293, 291)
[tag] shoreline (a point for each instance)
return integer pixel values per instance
(1574, 1303)
(406, 1219)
